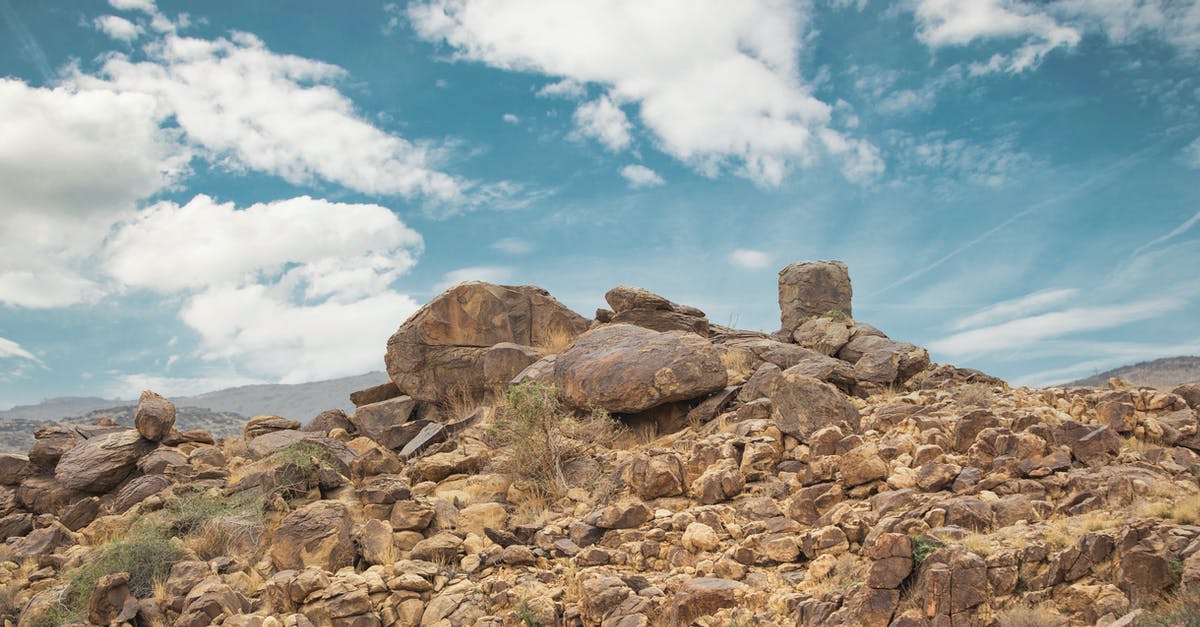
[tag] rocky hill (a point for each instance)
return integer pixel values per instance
(16, 434)
(1165, 373)
(528, 466)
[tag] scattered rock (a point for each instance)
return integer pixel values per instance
(154, 417)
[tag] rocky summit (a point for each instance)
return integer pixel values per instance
(527, 466)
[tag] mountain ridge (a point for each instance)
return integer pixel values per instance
(1164, 372)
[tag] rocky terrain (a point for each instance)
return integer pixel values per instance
(528, 466)
(1165, 373)
(17, 434)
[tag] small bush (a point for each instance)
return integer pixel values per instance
(540, 435)
(214, 525)
(922, 547)
(145, 552)
(307, 455)
(1181, 609)
(836, 314)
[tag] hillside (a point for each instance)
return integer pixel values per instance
(299, 401)
(528, 466)
(1165, 373)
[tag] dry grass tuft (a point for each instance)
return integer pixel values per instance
(975, 395)
(556, 340)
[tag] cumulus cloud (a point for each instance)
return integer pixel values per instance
(943, 23)
(749, 258)
(491, 274)
(293, 290)
(145, 6)
(639, 176)
(722, 93)
(604, 121)
(563, 89)
(510, 118)
(248, 107)
(118, 28)
(72, 161)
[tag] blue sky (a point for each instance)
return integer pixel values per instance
(200, 195)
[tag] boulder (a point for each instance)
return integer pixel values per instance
(329, 420)
(719, 482)
(703, 596)
(50, 444)
(625, 514)
(909, 358)
(138, 490)
(655, 473)
(862, 465)
(699, 537)
(100, 464)
(438, 353)
(636, 306)
(627, 369)
(154, 416)
(13, 468)
(801, 404)
(108, 600)
(262, 425)
(374, 394)
(506, 360)
(317, 534)
(823, 334)
(379, 421)
(812, 288)
(1190, 392)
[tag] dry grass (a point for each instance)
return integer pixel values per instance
(556, 341)
(1181, 609)
(975, 395)
(847, 570)
(1187, 510)
(977, 543)
(1022, 615)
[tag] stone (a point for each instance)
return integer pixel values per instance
(892, 555)
(624, 514)
(504, 361)
(262, 425)
(208, 601)
(15, 525)
(50, 444)
(1119, 416)
(329, 420)
(813, 288)
(699, 537)
(653, 474)
(719, 482)
(374, 394)
(381, 421)
(317, 534)
(639, 307)
(438, 353)
(910, 359)
(704, 596)
(13, 468)
(41, 542)
(1141, 574)
(518, 555)
(410, 515)
(480, 517)
(1190, 392)
(802, 403)
(440, 548)
(878, 366)
(138, 490)
(823, 335)
(108, 599)
(1088, 443)
(154, 416)
(374, 540)
(100, 464)
(626, 369)
(862, 465)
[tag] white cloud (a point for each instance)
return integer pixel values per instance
(510, 118)
(943, 23)
(145, 6)
(994, 164)
(640, 176)
(330, 250)
(1176, 23)
(749, 258)
(72, 161)
(1191, 154)
(603, 120)
(563, 89)
(292, 290)
(12, 350)
(716, 83)
(1029, 331)
(1017, 307)
(131, 385)
(118, 28)
(490, 274)
(249, 107)
(512, 246)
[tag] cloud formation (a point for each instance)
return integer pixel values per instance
(722, 93)
(639, 176)
(943, 23)
(749, 258)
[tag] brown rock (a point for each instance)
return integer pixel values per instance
(383, 420)
(108, 598)
(1088, 443)
(329, 420)
(100, 464)
(626, 369)
(154, 417)
(1190, 392)
(655, 473)
(50, 444)
(138, 490)
(438, 352)
(317, 534)
(812, 288)
(910, 359)
(720, 482)
(506, 360)
(13, 468)
(802, 403)
(625, 514)
(704, 596)
(440, 548)
(1116, 414)
(374, 394)
(824, 335)
(1141, 574)
(862, 465)
(208, 601)
(892, 555)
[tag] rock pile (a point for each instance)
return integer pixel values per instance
(823, 474)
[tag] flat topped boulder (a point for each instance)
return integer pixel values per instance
(100, 464)
(636, 306)
(813, 288)
(627, 369)
(439, 351)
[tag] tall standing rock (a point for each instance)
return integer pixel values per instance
(811, 288)
(154, 417)
(627, 369)
(438, 353)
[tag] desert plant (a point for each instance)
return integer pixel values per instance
(975, 394)
(145, 552)
(922, 548)
(540, 435)
(526, 616)
(836, 314)
(1181, 609)
(307, 455)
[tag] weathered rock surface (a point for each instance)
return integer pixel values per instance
(100, 464)
(800, 404)
(318, 534)
(812, 288)
(626, 369)
(154, 416)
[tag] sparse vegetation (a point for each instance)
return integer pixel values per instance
(540, 435)
(146, 552)
(215, 525)
(1181, 609)
(922, 548)
(836, 314)
(975, 395)
(525, 615)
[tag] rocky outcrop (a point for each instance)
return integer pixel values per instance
(813, 288)
(438, 353)
(636, 306)
(318, 534)
(622, 368)
(800, 404)
(100, 464)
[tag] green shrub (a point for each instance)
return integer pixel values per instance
(189, 513)
(540, 435)
(145, 552)
(309, 456)
(836, 314)
(922, 547)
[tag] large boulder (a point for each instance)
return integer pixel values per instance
(1190, 393)
(155, 416)
(875, 358)
(50, 444)
(100, 464)
(801, 404)
(379, 420)
(813, 288)
(438, 354)
(318, 534)
(627, 369)
(636, 306)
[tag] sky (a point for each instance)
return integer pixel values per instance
(200, 195)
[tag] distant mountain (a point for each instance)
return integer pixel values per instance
(298, 401)
(16, 434)
(1167, 372)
